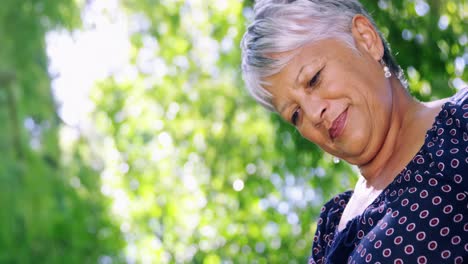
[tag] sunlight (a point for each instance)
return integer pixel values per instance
(78, 59)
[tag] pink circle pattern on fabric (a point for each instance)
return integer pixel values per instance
(421, 217)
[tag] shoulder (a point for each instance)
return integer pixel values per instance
(328, 221)
(338, 201)
(447, 140)
(330, 215)
(457, 109)
(460, 98)
(332, 210)
(451, 122)
(451, 125)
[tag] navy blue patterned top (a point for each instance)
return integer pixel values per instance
(421, 217)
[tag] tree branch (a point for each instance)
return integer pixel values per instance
(6, 79)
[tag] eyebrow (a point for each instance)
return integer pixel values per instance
(282, 107)
(299, 74)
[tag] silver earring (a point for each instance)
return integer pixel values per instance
(386, 70)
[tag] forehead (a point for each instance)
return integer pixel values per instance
(311, 54)
(303, 60)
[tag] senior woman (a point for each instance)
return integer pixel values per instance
(325, 68)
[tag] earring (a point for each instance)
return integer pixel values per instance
(386, 70)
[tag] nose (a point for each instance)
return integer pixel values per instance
(315, 110)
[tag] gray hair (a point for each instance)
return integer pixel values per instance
(285, 25)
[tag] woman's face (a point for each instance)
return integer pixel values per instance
(336, 97)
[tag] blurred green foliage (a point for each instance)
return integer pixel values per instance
(182, 165)
(43, 218)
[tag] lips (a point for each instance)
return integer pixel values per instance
(338, 125)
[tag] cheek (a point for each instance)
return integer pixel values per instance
(358, 139)
(358, 131)
(366, 134)
(313, 135)
(322, 141)
(380, 113)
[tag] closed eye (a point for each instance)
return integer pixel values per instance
(314, 79)
(295, 117)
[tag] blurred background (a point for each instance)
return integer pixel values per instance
(127, 137)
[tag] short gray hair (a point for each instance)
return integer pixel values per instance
(285, 25)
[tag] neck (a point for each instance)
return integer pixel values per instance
(382, 169)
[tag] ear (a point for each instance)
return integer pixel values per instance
(366, 37)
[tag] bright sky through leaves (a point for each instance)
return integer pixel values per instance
(80, 58)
